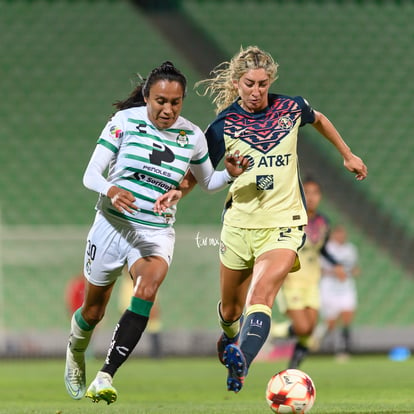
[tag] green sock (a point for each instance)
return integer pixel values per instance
(140, 306)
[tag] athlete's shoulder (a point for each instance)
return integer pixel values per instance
(130, 113)
(275, 99)
(308, 114)
(121, 118)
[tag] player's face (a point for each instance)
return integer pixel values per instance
(339, 235)
(164, 103)
(253, 88)
(313, 196)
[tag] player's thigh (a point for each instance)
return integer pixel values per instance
(269, 271)
(149, 257)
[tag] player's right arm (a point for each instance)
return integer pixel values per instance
(351, 161)
(94, 180)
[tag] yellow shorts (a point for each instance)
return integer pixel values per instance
(298, 298)
(239, 247)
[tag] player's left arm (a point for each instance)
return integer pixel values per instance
(352, 162)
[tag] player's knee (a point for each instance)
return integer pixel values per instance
(303, 330)
(231, 313)
(147, 292)
(93, 315)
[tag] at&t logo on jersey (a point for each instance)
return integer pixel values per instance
(264, 182)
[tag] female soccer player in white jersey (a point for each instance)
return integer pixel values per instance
(264, 219)
(339, 295)
(148, 148)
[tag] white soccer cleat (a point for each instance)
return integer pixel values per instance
(102, 389)
(75, 381)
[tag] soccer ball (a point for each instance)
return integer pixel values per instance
(290, 391)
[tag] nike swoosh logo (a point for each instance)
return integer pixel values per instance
(238, 133)
(253, 334)
(74, 392)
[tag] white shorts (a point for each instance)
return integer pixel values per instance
(337, 297)
(112, 244)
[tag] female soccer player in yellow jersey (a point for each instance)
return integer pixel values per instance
(265, 215)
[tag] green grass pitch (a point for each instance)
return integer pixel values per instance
(365, 384)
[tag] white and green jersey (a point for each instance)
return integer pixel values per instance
(148, 162)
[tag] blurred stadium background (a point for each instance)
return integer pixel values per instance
(64, 62)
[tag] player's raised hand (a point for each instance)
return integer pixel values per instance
(340, 273)
(235, 163)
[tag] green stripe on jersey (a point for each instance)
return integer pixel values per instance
(164, 141)
(201, 160)
(138, 195)
(135, 220)
(137, 121)
(177, 131)
(140, 145)
(173, 130)
(145, 134)
(136, 157)
(108, 145)
(181, 158)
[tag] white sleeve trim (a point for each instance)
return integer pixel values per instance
(93, 178)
